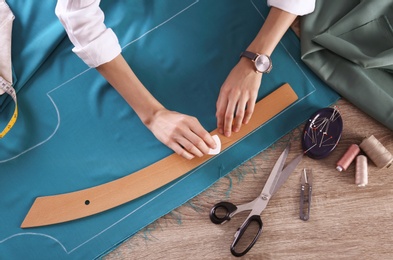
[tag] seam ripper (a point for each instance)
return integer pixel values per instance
(305, 194)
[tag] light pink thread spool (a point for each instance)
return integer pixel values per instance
(361, 177)
(348, 157)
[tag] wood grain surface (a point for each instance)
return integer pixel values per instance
(346, 221)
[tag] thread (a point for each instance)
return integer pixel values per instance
(376, 152)
(361, 176)
(348, 157)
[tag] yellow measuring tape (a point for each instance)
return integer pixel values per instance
(7, 87)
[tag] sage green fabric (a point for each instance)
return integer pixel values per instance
(349, 45)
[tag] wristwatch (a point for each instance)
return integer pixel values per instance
(262, 62)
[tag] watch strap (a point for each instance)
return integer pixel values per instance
(248, 54)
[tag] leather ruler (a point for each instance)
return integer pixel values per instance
(60, 208)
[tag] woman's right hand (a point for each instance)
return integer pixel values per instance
(182, 133)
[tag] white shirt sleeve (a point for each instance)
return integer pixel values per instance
(298, 7)
(83, 21)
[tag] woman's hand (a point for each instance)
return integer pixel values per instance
(238, 94)
(237, 97)
(182, 133)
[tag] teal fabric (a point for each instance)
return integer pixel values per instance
(74, 130)
(35, 36)
(349, 44)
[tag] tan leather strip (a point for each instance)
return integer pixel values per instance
(74, 205)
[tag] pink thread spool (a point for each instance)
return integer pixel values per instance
(348, 157)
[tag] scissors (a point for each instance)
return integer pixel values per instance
(224, 211)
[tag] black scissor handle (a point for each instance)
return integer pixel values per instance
(227, 207)
(241, 231)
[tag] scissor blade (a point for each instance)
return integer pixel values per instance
(286, 172)
(274, 175)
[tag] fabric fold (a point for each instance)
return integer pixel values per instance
(349, 44)
(38, 34)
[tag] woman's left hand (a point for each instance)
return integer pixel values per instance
(238, 94)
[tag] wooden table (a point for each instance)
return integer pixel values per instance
(346, 221)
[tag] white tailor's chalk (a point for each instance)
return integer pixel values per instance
(217, 150)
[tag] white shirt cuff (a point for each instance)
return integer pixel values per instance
(298, 7)
(102, 50)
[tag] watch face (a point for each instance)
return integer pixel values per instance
(263, 63)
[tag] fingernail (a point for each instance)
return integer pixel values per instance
(189, 157)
